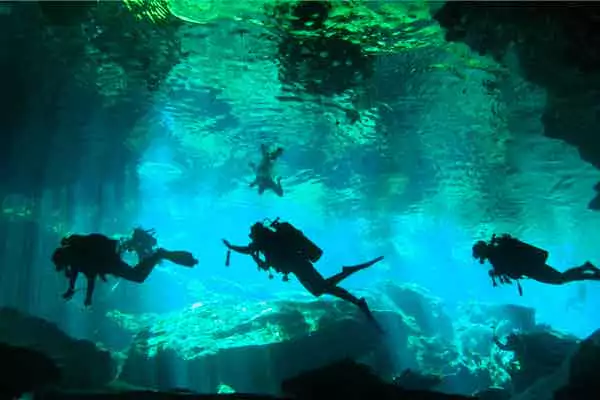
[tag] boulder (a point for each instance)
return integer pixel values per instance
(347, 379)
(575, 379)
(283, 338)
(221, 343)
(25, 371)
(583, 369)
(82, 364)
(427, 311)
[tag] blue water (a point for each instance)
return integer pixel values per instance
(433, 251)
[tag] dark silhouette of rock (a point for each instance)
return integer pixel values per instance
(556, 44)
(494, 394)
(150, 395)
(583, 382)
(575, 379)
(25, 370)
(82, 364)
(349, 380)
(413, 380)
(61, 13)
(539, 354)
(345, 379)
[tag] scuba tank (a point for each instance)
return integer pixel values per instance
(297, 241)
(522, 252)
(92, 243)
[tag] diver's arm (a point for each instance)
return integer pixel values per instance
(72, 274)
(493, 275)
(91, 283)
(242, 249)
(261, 264)
(248, 250)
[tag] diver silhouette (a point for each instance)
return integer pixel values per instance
(288, 251)
(512, 259)
(96, 255)
(264, 171)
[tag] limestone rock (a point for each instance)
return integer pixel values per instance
(82, 364)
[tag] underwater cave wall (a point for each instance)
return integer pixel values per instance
(65, 159)
(557, 45)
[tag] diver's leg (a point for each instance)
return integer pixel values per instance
(546, 274)
(275, 187)
(589, 267)
(179, 257)
(585, 272)
(345, 295)
(261, 189)
(309, 277)
(314, 282)
(89, 292)
(140, 272)
(361, 303)
(347, 271)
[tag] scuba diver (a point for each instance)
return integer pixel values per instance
(96, 255)
(512, 259)
(264, 171)
(288, 251)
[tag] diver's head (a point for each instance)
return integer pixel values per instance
(481, 251)
(258, 232)
(144, 236)
(61, 258)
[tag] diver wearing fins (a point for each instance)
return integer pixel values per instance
(96, 255)
(264, 171)
(288, 251)
(512, 259)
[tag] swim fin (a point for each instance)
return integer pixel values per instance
(365, 309)
(183, 258)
